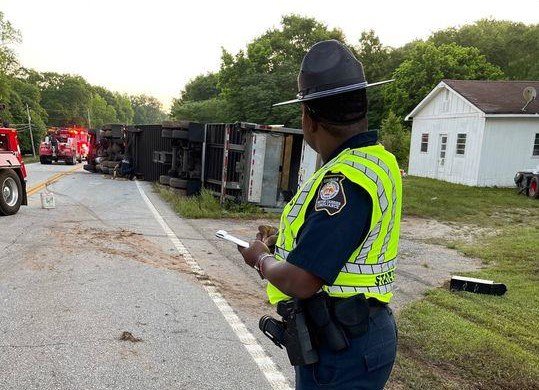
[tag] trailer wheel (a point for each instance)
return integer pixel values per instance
(10, 192)
(164, 179)
(89, 167)
(178, 183)
(533, 191)
(166, 133)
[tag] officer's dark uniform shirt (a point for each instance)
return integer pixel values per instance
(337, 220)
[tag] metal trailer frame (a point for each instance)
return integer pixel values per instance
(254, 163)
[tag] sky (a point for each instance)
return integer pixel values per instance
(156, 46)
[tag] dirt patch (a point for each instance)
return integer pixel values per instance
(430, 230)
(122, 243)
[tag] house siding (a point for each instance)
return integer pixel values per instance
(507, 148)
(447, 113)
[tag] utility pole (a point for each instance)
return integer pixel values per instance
(30, 127)
(89, 122)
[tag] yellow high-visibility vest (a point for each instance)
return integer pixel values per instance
(371, 267)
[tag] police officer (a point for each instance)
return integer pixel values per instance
(338, 236)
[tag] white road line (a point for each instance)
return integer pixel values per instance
(275, 377)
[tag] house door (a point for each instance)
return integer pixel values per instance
(442, 151)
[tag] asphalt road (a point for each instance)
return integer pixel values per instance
(74, 278)
(38, 173)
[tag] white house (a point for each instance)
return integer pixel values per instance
(474, 132)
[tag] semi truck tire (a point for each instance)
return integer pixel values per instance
(89, 167)
(45, 160)
(164, 179)
(166, 133)
(533, 191)
(10, 192)
(178, 183)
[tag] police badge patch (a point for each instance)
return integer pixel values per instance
(331, 197)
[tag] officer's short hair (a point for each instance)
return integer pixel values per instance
(339, 110)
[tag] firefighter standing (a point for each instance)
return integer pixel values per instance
(335, 254)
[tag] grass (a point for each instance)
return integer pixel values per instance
(470, 341)
(449, 202)
(29, 159)
(206, 205)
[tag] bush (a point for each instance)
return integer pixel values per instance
(396, 138)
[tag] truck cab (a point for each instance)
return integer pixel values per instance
(12, 173)
(61, 144)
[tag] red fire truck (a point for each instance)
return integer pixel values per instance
(12, 173)
(69, 144)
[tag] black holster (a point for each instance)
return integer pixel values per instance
(292, 333)
(326, 329)
(314, 322)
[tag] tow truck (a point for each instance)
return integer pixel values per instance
(69, 144)
(12, 173)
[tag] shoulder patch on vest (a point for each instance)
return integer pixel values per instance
(331, 197)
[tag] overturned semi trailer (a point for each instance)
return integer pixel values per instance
(255, 163)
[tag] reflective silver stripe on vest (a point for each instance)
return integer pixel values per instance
(281, 252)
(300, 200)
(384, 289)
(369, 269)
(382, 199)
(386, 169)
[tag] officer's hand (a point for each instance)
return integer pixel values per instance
(265, 231)
(256, 249)
(268, 235)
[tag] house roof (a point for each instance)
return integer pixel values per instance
(490, 97)
(496, 97)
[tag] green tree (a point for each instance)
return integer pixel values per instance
(205, 111)
(201, 88)
(396, 138)
(9, 35)
(426, 65)
(124, 109)
(66, 98)
(379, 62)
(252, 80)
(147, 110)
(101, 112)
(512, 46)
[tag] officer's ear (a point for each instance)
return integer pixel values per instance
(308, 123)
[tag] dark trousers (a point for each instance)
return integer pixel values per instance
(365, 365)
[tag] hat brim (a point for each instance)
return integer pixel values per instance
(332, 92)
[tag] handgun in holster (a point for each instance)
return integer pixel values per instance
(292, 333)
(314, 322)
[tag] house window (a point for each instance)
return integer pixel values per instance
(424, 142)
(536, 145)
(461, 143)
